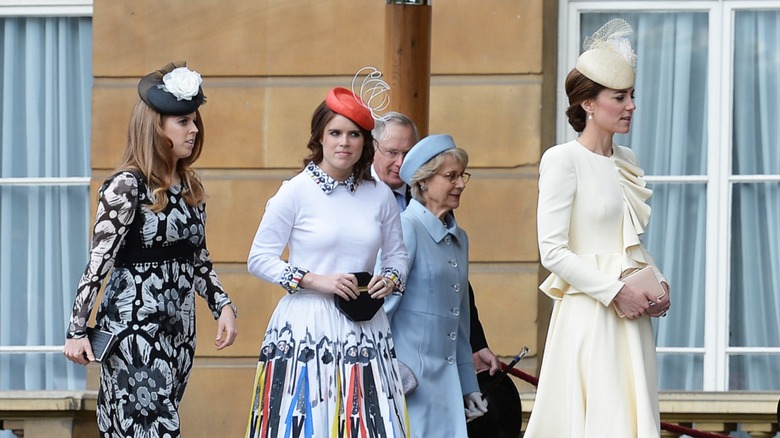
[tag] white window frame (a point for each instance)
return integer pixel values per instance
(46, 8)
(43, 8)
(719, 181)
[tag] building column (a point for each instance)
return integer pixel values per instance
(408, 58)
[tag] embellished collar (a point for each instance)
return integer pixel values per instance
(326, 183)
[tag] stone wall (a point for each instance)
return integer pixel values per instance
(267, 64)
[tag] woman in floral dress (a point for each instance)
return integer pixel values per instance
(149, 227)
(321, 374)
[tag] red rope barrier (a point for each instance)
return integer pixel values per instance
(533, 380)
(669, 427)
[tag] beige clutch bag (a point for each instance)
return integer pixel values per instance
(644, 279)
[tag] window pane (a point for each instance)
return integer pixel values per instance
(45, 102)
(43, 251)
(756, 92)
(669, 129)
(680, 372)
(755, 257)
(44, 244)
(31, 371)
(754, 317)
(45, 96)
(754, 372)
(676, 239)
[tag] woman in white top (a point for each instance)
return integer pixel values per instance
(321, 373)
(598, 375)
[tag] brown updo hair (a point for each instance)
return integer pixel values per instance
(579, 89)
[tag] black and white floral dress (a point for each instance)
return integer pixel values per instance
(159, 262)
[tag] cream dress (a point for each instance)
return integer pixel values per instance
(598, 375)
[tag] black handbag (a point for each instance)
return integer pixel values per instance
(101, 341)
(363, 307)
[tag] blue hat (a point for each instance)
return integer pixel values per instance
(422, 152)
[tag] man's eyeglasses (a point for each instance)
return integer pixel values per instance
(392, 153)
(453, 176)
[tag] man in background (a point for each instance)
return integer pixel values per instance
(393, 140)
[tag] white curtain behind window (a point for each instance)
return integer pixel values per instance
(668, 135)
(755, 251)
(45, 98)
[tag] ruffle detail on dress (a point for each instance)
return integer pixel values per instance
(636, 211)
(554, 286)
(635, 193)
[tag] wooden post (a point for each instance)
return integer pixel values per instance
(408, 58)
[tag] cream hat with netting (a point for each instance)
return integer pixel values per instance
(608, 58)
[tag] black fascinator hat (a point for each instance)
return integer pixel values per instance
(172, 90)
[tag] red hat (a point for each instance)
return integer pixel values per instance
(346, 103)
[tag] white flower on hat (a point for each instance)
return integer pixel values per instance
(623, 48)
(182, 83)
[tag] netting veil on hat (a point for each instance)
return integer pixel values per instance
(608, 58)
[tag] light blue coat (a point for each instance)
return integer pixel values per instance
(430, 323)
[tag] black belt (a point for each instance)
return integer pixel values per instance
(181, 250)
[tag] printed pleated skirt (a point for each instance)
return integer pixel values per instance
(320, 374)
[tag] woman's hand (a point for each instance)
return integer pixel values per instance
(343, 285)
(662, 305)
(633, 302)
(79, 351)
(380, 287)
(227, 329)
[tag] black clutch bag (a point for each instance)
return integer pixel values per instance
(101, 341)
(363, 307)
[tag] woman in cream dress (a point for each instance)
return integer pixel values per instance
(598, 376)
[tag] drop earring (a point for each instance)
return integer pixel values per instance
(590, 116)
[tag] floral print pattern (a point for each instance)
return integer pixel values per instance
(149, 304)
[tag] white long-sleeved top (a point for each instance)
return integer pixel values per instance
(329, 228)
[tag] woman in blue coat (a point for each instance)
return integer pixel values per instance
(430, 321)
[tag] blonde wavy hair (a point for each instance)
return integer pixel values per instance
(149, 151)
